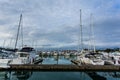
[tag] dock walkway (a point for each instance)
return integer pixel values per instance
(55, 67)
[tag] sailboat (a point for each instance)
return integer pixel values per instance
(82, 59)
(27, 55)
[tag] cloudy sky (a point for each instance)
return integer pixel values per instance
(57, 22)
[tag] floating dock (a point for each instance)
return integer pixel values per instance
(58, 67)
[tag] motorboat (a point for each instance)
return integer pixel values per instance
(26, 55)
(4, 63)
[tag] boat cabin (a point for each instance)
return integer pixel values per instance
(23, 54)
(27, 49)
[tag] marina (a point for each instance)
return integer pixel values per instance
(52, 68)
(28, 59)
(59, 40)
(64, 63)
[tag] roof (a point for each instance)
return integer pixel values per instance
(26, 49)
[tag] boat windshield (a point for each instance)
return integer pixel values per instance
(23, 55)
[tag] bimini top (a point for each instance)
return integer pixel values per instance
(27, 49)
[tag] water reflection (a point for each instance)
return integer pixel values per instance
(95, 76)
(3, 75)
(31, 75)
(15, 75)
(110, 75)
(61, 76)
(57, 76)
(23, 75)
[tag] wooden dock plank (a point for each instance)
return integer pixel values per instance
(53, 67)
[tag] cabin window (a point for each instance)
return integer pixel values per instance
(23, 55)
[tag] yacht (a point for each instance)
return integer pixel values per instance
(26, 55)
(4, 63)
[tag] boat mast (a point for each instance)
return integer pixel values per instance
(18, 30)
(80, 41)
(92, 33)
(22, 31)
(81, 30)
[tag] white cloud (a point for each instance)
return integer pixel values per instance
(58, 21)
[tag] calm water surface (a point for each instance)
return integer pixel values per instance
(30, 75)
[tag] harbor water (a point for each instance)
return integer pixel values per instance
(36, 75)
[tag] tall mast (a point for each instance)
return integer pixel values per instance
(81, 29)
(22, 31)
(90, 35)
(92, 32)
(18, 30)
(79, 39)
(89, 38)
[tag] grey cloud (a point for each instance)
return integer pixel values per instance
(58, 21)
